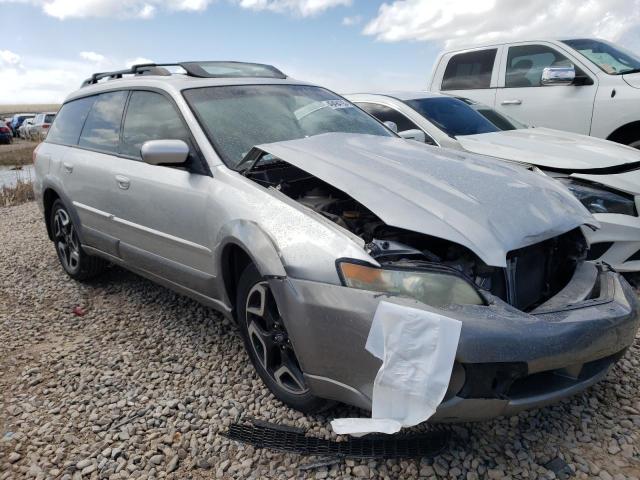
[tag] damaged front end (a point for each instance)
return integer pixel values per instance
(539, 322)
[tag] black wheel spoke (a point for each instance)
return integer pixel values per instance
(270, 341)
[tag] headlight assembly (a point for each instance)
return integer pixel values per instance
(598, 200)
(430, 287)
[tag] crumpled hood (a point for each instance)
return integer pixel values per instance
(489, 206)
(633, 79)
(549, 148)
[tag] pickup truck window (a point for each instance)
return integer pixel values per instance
(526, 62)
(609, 59)
(471, 70)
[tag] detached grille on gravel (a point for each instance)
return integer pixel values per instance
(274, 437)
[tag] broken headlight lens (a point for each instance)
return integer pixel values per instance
(598, 200)
(430, 287)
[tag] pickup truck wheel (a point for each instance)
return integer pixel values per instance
(73, 259)
(635, 144)
(267, 343)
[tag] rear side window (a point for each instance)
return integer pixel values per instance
(69, 121)
(102, 128)
(150, 116)
(471, 70)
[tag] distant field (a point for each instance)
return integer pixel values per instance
(6, 110)
(18, 153)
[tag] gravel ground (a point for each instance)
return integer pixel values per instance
(141, 385)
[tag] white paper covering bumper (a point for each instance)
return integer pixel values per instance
(417, 349)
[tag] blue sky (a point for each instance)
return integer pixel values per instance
(348, 45)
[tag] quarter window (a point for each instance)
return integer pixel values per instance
(68, 123)
(471, 70)
(150, 116)
(102, 128)
(526, 62)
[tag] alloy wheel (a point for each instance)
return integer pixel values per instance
(270, 341)
(66, 241)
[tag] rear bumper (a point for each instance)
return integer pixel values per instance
(329, 326)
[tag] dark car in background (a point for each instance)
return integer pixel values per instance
(17, 121)
(6, 135)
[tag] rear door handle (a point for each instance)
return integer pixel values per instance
(511, 102)
(67, 167)
(123, 182)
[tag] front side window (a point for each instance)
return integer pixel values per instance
(150, 116)
(525, 64)
(388, 114)
(102, 128)
(454, 117)
(608, 58)
(239, 117)
(471, 70)
(69, 121)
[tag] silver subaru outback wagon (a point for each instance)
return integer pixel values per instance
(295, 213)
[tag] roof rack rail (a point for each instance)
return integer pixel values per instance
(208, 69)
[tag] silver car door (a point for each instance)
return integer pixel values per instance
(86, 167)
(161, 212)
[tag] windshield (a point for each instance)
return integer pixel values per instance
(610, 59)
(454, 117)
(239, 117)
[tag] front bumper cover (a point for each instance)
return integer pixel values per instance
(329, 326)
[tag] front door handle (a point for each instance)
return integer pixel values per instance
(511, 102)
(67, 167)
(123, 182)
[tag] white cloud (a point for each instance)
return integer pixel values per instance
(303, 8)
(50, 80)
(350, 21)
(462, 22)
(63, 9)
(145, 9)
(92, 56)
(7, 57)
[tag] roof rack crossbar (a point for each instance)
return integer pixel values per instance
(192, 69)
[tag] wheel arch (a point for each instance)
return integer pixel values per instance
(626, 134)
(51, 193)
(244, 242)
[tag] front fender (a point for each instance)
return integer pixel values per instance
(257, 243)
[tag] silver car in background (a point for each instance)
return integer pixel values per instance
(290, 210)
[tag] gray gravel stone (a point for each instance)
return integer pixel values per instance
(142, 385)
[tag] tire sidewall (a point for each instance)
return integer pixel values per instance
(306, 402)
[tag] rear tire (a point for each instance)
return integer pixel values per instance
(73, 258)
(267, 343)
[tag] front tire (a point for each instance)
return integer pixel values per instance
(73, 259)
(267, 343)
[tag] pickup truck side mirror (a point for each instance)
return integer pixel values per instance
(414, 134)
(554, 76)
(164, 152)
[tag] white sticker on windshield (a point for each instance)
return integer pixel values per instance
(315, 106)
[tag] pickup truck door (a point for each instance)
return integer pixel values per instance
(521, 95)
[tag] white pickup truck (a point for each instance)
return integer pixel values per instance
(580, 85)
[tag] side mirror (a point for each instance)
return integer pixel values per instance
(391, 126)
(414, 134)
(553, 76)
(163, 152)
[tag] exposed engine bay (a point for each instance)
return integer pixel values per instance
(533, 274)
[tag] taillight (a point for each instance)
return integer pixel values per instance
(45, 125)
(4, 130)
